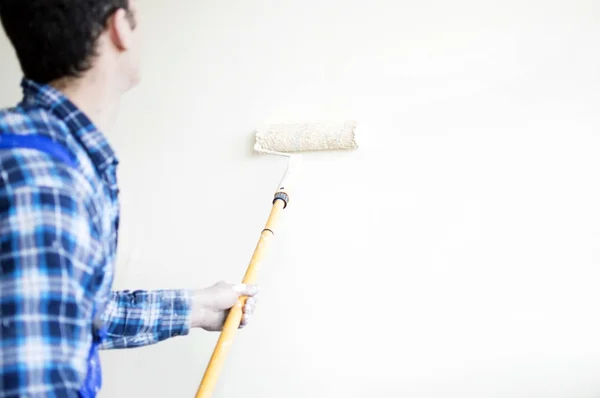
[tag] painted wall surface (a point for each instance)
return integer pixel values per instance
(456, 254)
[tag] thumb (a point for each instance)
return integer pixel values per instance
(243, 289)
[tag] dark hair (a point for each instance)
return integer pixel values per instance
(54, 39)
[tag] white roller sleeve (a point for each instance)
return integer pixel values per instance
(306, 137)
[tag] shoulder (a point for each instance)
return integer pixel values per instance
(21, 166)
(23, 119)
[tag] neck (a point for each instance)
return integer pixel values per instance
(94, 97)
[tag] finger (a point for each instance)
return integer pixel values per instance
(250, 305)
(246, 289)
(248, 311)
(245, 320)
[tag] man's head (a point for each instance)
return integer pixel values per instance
(66, 39)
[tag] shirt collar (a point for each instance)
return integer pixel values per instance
(93, 141)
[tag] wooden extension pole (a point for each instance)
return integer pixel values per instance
(234, 318)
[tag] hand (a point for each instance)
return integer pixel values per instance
(211, 305)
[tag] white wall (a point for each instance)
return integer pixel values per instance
(455, 254)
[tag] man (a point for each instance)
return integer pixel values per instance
(59, 210)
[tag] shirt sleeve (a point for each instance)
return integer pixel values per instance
(47, 274)
(140, 318)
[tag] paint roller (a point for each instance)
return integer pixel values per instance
(287, 140)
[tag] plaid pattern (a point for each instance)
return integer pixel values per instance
(58, 239)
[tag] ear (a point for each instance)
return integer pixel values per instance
(120, 30)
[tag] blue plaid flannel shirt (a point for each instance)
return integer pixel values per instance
(58, 239)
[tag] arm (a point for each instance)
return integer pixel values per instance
(140, 318)
(47, 257)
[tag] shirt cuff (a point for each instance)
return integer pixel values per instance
(175, 313)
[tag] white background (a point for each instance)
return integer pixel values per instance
(454, 255)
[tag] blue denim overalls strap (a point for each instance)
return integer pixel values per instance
(93, 380)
